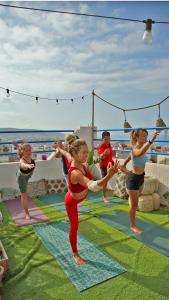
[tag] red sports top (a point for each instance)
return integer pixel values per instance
(77, 188)
(68, 164)
(104, 162)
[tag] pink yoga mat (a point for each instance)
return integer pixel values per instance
(16, 210)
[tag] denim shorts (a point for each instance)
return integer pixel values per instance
(23, 181)
(134, 181)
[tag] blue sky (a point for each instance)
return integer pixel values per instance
(60, 56)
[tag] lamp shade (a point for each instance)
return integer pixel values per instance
(126, 125)
(160, 123)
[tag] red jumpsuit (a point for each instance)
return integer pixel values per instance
(71, 206)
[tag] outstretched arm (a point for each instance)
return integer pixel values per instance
(66, 154)
(78, 177)
(144, 148)
(25, 166)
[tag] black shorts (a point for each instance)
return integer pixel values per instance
(134, 181)
(103, 171)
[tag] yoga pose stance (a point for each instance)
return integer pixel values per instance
(135, 178)
(26, 168)
(105, 153)
(79, 183)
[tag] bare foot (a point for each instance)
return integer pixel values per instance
(78, 260)
(27, 217)
(106, 200)
(135, 229)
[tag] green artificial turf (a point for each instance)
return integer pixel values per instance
(34, 274)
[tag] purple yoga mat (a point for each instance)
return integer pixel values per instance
(16, 210)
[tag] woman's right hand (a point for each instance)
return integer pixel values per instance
(111, 170)
(30, 166)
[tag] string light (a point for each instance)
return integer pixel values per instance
(8, 93)
(147, 37)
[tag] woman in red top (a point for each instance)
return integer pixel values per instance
(79, 183)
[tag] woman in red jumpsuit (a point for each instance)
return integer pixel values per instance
(79, 183)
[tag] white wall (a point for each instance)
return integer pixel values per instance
(159, 171)
(45, 169)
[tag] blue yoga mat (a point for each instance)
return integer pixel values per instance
(57, 202)
(99, 266)
(152, 234)
(97, 198)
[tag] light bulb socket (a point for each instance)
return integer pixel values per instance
(7, 93)
(148, 23)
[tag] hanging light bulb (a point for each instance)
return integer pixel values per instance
(72, 101)
(147, 36)
(160, 122)
(57, 101)
(7, 93)
(36, 100)
(7, 99)
(126, 124)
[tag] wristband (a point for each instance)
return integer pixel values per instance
(150, 142)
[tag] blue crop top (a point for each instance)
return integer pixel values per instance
(139, 161)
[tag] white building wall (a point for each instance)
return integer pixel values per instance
(45, 169)
(52, 169)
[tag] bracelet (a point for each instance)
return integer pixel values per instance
(150, 142)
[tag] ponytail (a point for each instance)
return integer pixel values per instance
(134, 134)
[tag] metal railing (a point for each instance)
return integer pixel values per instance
(8, 153)
(127, 140)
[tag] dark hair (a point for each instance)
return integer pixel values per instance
(105, 133)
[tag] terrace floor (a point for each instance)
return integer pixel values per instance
(35, 274)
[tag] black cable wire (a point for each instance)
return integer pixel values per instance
(45, 98)
(79, 14)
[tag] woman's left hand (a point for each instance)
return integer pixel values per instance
(156, 133)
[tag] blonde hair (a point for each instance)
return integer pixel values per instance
(21, 149)
(134, 134)
(76, 146)
(70, 138)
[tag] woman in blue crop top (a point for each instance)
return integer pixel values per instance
(26, 168)
(135, 178)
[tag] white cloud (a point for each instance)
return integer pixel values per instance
(56, 55)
